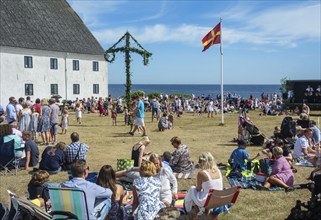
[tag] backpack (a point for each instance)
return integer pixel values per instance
(154, 104)
(265, 166)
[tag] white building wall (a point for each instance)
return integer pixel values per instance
(14, 76)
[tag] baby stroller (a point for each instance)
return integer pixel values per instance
(250, 133)
(288, 128)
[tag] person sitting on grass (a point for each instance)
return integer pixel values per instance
(168, 181)
(146, 193)
(268, 151)
(79, 171)
(209, 177)
(166, 157)
(138, 154)
(181, 161)
(302, 146)
(239, 156)
(282, 174)
(36, 184)
(32, 152)
(164, 123)
(53, 158)
(107, 179)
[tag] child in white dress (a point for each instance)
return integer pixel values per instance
(64, 122)
(78, 110)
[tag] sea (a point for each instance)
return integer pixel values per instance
(245, 91)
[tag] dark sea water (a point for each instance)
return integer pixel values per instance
(244, 91)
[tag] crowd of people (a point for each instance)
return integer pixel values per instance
(154, 186)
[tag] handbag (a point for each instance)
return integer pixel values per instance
(122, 164)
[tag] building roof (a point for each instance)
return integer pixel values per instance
(45, 25)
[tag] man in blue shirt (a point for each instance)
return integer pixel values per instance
(79, 171)
(140, 114)
(11, 111)
(239, 155)
(316, 137)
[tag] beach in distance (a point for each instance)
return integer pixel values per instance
(244, 91)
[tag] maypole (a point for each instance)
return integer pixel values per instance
(127, 49)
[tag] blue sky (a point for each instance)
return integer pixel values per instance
(263, 41)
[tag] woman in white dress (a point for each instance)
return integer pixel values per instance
(25, 116)
(210, 108)
(209, 177)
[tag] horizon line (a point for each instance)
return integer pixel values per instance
(188, 84)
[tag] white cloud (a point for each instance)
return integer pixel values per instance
(157, 33)
(280, 26)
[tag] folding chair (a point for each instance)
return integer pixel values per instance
(8, 159)
(218, 198)
(68, 202)
(21, 208)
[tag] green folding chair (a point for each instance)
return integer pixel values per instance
(68, 203)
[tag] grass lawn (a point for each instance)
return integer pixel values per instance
(199, 133)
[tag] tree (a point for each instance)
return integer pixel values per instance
(127, 49)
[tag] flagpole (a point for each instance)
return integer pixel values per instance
(222, 91)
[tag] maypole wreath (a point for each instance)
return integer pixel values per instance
(110, 56)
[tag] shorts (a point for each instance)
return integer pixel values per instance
(154, 111)
(54, 127)
(139, 122)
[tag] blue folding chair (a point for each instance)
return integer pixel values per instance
(8, 159)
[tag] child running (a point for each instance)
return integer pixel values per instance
(64, 122)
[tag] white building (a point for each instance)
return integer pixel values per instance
(45, 50)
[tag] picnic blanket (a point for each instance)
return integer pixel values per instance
(185, 175)
(304, 164)
(249, 182)
(179, 203)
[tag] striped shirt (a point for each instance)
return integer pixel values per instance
(72, 150)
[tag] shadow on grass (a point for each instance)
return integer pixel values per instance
(88, 126)
(230, 144)
(123, 135)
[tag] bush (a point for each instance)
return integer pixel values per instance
(137, 93)
(153, 95)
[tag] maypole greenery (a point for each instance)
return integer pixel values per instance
(110, 55)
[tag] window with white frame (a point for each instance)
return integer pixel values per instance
(53, 63)
(28, 62)
(75, 65)
(96, 88)
(28, 89)
(76, 89)
(95, 66)
(54, 89)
